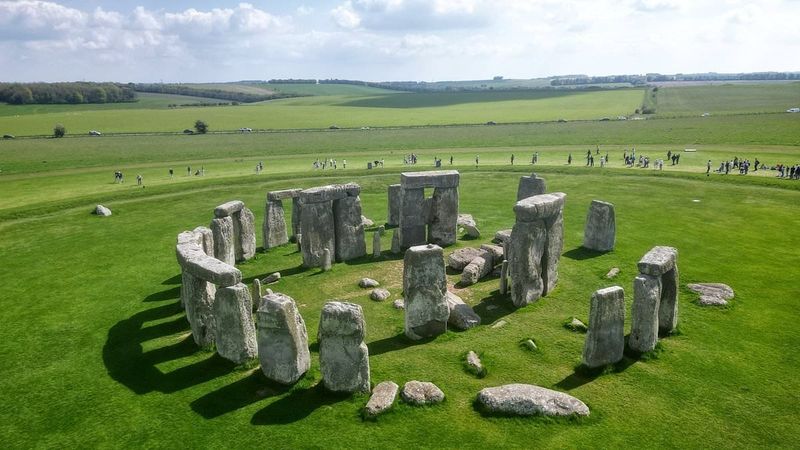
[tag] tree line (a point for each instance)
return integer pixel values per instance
(220, 94)
(65, 93)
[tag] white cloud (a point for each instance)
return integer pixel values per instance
(345, 16)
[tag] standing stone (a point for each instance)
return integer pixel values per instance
(644, 313)
(343, 355)
(413, 222)
(376, 245)
(282, 340)
(296, 216)
(274, 228)
(504, 277)
(349, 229)
(197, 296)
(394, 192)
(443, 227)
(244, 228)
(318, 231)
(433, 219)
(425, 287)
(235, 331)
(256, 294)
(605, 339)
(395, 242)
(326, 260)
(299, 237)
(668, 305)
(222, 229)
(601, 230)
(207, 238)
(530, 186)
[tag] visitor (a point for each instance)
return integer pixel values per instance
(569, 159)
(512, 159)
(451, 160)
(708, 168)
(477, 160)
(344, 164)
(139, 180)
(188, 171)
(170, 173)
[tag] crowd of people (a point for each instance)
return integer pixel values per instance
(327, 163)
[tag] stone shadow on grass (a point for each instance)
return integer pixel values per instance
(237, 395)
(298, 405)
(164, 295)
(581, 253)
(386, 255)
(583, 375)
(494, 307)
(128, 364)
(394, 343)
(172, 280)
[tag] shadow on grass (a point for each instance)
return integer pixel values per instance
(237, 395)
(168, 294)
(494, 307)
(583, 375)
(128, 364)
(289, 271)
(299, 404)
(386, 255)
(394, 343)
(172, 280)
(580, 253)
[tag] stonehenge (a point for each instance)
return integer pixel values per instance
(233, 318)
(535, 246)
(274, 227)
(330, 218)
(605, 338)
(343, 355)
(233, 228)
(655, 298)
(282, 339)
(428, 220)
(425, 287)
(601, 230)
(394, 193)
(529, 186)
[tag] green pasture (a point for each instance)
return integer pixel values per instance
(727, 99)
(107, 357)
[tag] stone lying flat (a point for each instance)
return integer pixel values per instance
(612, 273)
(712, 294)
(461, 257)
(379, 294)
(470, 227)
(478, 268)
(271, 278)
(462, 316)
(227, 209)
(502, 236)
(658, 261)
(529, 400)
(399, 304)
(101, 211)
(496, 251)
(576, 325)
(539, 207)
(419, 393)
(434, 178)
(322, 194)
(283, 194)
(366, 222)
(368, 283)
(193, 259)
(382, 399)
(530, 345)
(475, 365)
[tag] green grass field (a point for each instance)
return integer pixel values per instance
(727, 99)
(97, 352)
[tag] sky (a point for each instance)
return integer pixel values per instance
(390, 40)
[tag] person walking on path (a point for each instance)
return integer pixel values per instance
(708, 167)
(512, 159)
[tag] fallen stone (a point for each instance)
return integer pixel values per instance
(272, 278)
(612, 273)
(424, 287)
(470, 227)
(101, 211)
(600, 231)
(343, 355)
(712, 294)
(399, 304)
(459, 259)
(235, 331)
(420, 393)
(499, 324)
(574, 324)
(379, 294)
(227, 209)
(478, 268)
(502, 236)
(529, 400)
(382, 399)
(282, 340)
(530, 345)
(605, 339)
(498, 254)
(462, 316)
(368, 283)
(474, 364)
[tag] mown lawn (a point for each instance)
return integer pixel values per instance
(96, 350)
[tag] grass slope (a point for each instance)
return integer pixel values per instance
(145, 100)
(107, 358)
(727, 99)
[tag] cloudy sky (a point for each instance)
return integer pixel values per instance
(216, 40)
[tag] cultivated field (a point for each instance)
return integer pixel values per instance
(96, 350)
(727, 99)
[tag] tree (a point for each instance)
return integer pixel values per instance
(201, 127)
(59, 131)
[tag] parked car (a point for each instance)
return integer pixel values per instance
(246, 130)
(188, 131)
(491, 122)
(793, 110)
(95, 133)
(333, 127)
(8, 136)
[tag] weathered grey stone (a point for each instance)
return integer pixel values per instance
(296, 229)
(462, 316)
(235, 331)
(382, 230)
(539, 207)
(282, 340)
(224, 250)
(283, 194)
(271, 278)
(420, 393)
(343, 355)
(575, 324)
(712, 294)
(399, 304)
(244, 229)
(394, 193)
(479, 267)
(504, 277)
(368, 283)
(274, 227)
(668, 305)
(413, 218)
(193, 259)
(530, 345)
(318, 231)
(350, 239)
(425, 285)
(376, 245)
(395, 242)
(530, 186)
(658, 261)
(475, 365)
(601, 230)
(499, 324)
(299, 238)
(644, 313)
(468, 223)
(443, 228)
(434, 179)
(326, 260)
(101, 211)
(382, 399)
(552, 253)
(197, 296)
(207, 239)
(529, 400)
(351, 189)
(379, 294)
(256, 293)
(323, 194)
(459, 259)
(498, 255)
(227, 209)
(605, 339)
(612, 273)
(367, 222)
(502, 236)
